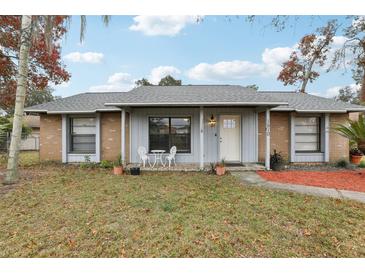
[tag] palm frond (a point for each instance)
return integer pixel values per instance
(354, 130)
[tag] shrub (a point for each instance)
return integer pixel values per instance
(211, 169)
(342, 163)
(362, 164)
(276, 161)
(106, 164)
(87, 163)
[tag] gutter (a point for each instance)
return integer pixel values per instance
(321, 110)
(200, 104)
(71, 111)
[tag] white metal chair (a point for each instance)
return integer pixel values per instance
(171, 156)
(142, 152)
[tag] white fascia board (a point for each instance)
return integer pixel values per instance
(83, 111)
(200, 104)
(321, 111)
(35, 110)
(356, 109)
(282, 109)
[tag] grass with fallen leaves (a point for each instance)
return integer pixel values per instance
(73, 212)
(26, 158)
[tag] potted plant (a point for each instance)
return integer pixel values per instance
(355, 132)
(118, 166)
(276, 161)
(220, 168)
(356, 156)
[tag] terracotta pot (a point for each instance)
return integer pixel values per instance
(220, 170)
(355, 159)
(118, 170)
(361, 146)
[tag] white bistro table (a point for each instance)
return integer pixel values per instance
(158, 153)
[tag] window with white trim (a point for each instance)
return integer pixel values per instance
(307, 134)
(82, 135)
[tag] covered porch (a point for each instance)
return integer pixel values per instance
(202, 134)
(184, 167)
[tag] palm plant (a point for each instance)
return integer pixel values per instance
(354, 131)
(31, 27)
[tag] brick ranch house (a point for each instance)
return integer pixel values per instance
(206, 123)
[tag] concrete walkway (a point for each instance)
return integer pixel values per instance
(252, 178)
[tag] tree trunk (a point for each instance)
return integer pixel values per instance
(307, 75)
(304, 85)
(25, 44)
(362, 90)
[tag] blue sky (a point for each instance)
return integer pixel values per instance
(219, 50)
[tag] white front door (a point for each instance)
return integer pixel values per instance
(229, 138)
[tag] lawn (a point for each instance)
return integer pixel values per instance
(63, 211)
(27, 158)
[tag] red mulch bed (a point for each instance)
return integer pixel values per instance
(346, 180)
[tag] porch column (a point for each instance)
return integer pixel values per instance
(122, 135)
(201, 124)
(64, 138)
(327, 137)
(97, 138)
(267, 131)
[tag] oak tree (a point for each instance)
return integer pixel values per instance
(352, 53)
(312, 50)
(45, 64)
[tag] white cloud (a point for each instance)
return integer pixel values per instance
(240, 69)
(273, 59)
(86, 57)
(119, 77)
(333, 91)
(225, 70)
(118, 82)
(162, 25)
(122, 81)
(160, 72)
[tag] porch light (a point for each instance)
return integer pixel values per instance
(212, 121)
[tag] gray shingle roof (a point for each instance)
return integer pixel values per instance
(193, 95)
(83, 102)
(307, 102)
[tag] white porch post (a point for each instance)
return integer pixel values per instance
(201, 124)
(122, 136)
(327, 137)
(267, 131)
(97, 138)
(64, 138)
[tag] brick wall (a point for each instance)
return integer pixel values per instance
(280, 134)
(50, 142)
(51, 136)
(110, 135)
(339, 146)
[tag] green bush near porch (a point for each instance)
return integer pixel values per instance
(72, 212)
